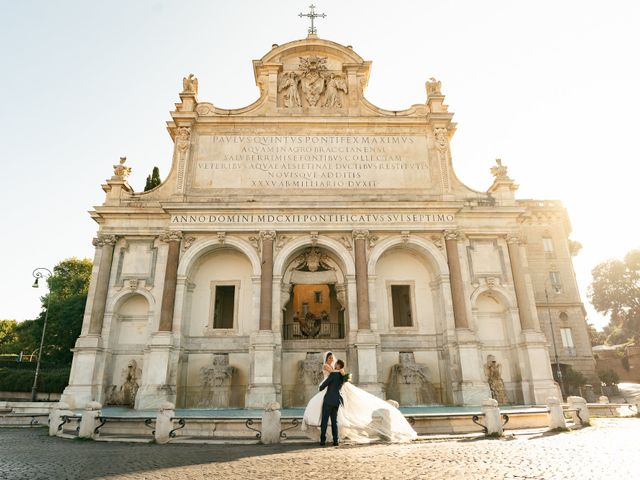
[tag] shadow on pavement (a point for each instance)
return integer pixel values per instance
(31, 453)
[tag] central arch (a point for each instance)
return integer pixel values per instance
(314, 299)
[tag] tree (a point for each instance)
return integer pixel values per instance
(8, 336)
(68, 287)
(615, 291)
(596, 337)
(153, 180)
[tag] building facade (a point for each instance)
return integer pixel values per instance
(312, 220)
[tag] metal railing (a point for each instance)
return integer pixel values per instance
(294, 331)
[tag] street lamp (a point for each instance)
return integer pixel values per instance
(553, 339)
(39, 273)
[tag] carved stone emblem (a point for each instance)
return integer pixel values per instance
(313, 261)
(312, 78)
(187, 242)
(320, 87)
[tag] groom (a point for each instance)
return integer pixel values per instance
(331, 403)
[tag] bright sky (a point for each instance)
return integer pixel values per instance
(551, 87)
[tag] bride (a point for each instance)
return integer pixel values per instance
(362, 418)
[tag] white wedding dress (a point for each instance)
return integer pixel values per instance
(363, 418)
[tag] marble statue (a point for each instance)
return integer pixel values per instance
(493, 371)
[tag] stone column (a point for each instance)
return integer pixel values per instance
(266, 280)
(107, 244)
(367, 342)
(455, 276)
(527, 321)
(170, 280)
(362, 278)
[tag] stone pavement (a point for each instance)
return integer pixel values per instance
(608, 450)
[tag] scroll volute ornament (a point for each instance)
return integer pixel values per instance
(183, 139)
(103, 239)
(442, 138)
(171, 236)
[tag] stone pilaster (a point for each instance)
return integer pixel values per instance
(107, 244)
(362, 278)
(173, 238)
(455, 275)
(537, 379)
(266, 280)
(262, 343)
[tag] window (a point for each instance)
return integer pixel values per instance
(224, 306)
(305, 309)
(567, 341)
(317, 297)
(547, 244)
(401, 303)
(554, 278)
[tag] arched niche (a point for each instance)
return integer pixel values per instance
(404, 294)
(313, 294)
(130, 329)
(220, 294)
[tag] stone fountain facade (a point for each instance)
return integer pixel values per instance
(313, 220)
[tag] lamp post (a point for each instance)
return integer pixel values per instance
(39, 273)
(553, 339)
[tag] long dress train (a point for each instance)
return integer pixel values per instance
(363, 418)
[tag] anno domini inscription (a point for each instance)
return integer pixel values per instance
(312, 161)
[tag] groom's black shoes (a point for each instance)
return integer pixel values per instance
(335, 444)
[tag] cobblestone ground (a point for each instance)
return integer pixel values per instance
(608, 450)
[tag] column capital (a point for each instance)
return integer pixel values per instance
(171, 236)
(360, 234)
(104, 239)
(453, 235)
(514, 238)
(267, 235)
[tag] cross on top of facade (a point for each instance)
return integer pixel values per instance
(312, 15)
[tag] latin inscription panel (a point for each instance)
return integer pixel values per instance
(297, 162)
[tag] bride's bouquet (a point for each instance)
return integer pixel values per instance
(346, 377)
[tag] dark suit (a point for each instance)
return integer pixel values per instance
(330, 405)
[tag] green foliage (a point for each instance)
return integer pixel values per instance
(609, 377)
(596, 337)
(153, 180)
(615, 291)
(68, 288)
(8, 336)
(21, 380)
(571, 378)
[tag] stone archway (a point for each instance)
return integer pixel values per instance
(314, 303)
(314, 311)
